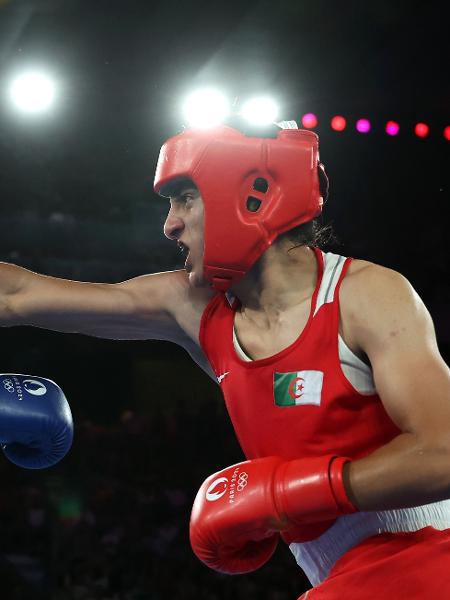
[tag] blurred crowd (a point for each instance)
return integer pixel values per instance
(110, 522)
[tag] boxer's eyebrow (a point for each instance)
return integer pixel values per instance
(184, 191)
(174, 188)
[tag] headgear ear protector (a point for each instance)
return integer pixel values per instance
(253, 189)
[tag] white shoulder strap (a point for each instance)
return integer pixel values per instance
(332, 269)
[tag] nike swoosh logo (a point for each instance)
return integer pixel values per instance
(222, 377)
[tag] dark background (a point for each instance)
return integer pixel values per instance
(76, 201)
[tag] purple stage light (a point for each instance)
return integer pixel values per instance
(309, 120)
(363, 125)
(392, 128)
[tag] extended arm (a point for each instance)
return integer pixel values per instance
(157, 306)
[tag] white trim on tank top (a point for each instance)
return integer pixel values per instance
(358, 374)
(355, 370)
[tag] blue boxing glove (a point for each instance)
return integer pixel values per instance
(36, 428)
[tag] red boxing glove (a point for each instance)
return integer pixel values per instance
(238, 512)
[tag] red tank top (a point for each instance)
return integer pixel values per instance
(297, 403)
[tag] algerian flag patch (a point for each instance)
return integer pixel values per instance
(299, 387)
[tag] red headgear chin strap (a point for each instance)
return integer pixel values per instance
(253, 189)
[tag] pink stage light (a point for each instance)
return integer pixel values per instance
(338, 123)
(392, 128)
(421, 130)
(447, 132)
(309, 120)
(363, 125)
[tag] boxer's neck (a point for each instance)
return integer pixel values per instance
(279, 280)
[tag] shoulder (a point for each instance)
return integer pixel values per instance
(197, 297)
(169, 298)
(188, 303)
(170, 287)
(369, 284)
(377, 305)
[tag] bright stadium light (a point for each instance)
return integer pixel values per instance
(260, 111)
(206, 108)
(32, 92)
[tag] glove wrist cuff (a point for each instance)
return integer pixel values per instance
(336, 476)
(310, 490)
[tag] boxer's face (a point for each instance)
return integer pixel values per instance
(184, 224)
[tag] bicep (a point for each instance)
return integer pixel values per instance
(411, 378)
(134, 309)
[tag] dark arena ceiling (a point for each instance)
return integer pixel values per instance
(76, 183)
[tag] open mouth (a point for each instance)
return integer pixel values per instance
(184, 251)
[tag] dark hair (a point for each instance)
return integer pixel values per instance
(312, 233)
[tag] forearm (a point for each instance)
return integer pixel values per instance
(28, 298)
(405, 472)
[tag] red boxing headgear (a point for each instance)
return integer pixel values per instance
(253, 189)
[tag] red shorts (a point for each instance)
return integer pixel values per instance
(391, 566)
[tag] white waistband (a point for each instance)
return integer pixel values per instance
(318, 556)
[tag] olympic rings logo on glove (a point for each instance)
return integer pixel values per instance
(8, 385)
(242, 481)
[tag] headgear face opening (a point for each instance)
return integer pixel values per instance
(253, 189)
